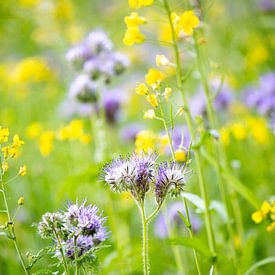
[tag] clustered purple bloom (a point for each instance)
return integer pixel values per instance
(262, 97)
(138, 172)
(97, 64)
(80, 229)
(172, 218)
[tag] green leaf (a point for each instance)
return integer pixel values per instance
(187, 224)
(247, 254)
(193, 243)
(260, 263)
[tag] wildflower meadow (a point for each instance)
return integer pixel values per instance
(137, 137)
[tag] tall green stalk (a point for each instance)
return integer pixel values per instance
(145, 256)
(202, 184)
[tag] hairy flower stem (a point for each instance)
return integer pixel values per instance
(62, 252)
(176, 250)
(202, 184)
(145, 257)
(10, 223)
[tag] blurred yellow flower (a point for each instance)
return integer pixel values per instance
(239, 131)
(29, 3)
(257, 217)
(22, 171)
(64, 10)
(141, 89)
(133, 36)
(17, 143)
(271, 228)
(31, 70)
(167, 93)
(256, 55)
(152, 99)
(34, 130)
(5, 167)
(146, 141)
(4, 134)
(46, 143)
(154, 78)
(21, 201)
(134, 20)
(136, 4)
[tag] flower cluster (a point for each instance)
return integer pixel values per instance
(9, 150)
(262, 97)
(138, 172)
(77, 232)
(266, 212)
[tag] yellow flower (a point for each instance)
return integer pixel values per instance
(141, 89)
(165, 33)
(22, 171)
(149, 114)
(162, 60)
(10, 151)
(266, 207)
(146, 141)
(21, 201)
(31, 70)
(256, 55)
(34, 130)
(167, 93)
(46, 143)
(259, 130)
(134, 20)
(152, 99)
(64, 10)
(271, 228)
(180, 155)
(4, 134)
(154, 77)
(239, 131)
(136, 4)
(29, 3)
(188, 21)
(257, 216)
(5, 167)
(17, 143)
(85, 139)
(133, 36)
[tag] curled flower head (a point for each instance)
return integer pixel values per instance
(131, 174)
(170, 179)
(83, 89)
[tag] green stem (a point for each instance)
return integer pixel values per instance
(145, 257)
(62, 252)
(202, 184)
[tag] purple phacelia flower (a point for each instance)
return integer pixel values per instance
(172, 218)
(129, 132)
(131, 174)
(112, 105)
(78, 55)
(171, 178)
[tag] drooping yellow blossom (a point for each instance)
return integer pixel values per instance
(134, 20)
(162, 60)
(31, 70)
(167, 93)
(5, 167)
(136, 4)
(133, 36)
(152, 99)
(17, 142)
(46, 143)
(141, 89)
(22, 171)
(21, 201)
(146, 141)
(154, 78)
(4, 134)
(150, 114)
(34, 130)
(180, 155)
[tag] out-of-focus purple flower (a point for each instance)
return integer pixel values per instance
(83, 89)
(98, 42)
(267, 5)
(262, 96)
(221, 101)
(112, 104)
(172, 218)
(129, 132)
(131, 174)
(78, 55)
(170, 179)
